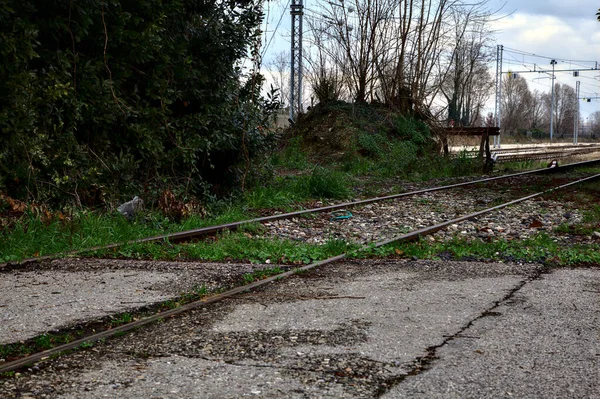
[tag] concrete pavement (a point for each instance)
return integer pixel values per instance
(359, 329)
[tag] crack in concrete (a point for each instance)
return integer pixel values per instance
(426, 362)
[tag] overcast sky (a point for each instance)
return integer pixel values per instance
(565, 30)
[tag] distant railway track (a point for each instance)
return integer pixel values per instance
(36, 357)
(204, 231)
(534, 153)
(509, 155)
(546, 148)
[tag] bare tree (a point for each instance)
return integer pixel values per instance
(401, 52)
(352, 30)
(565, 108)
(325, 76)
(467, 84)
(594, 124)
(516, 102)
(539, 116)
(419, 29)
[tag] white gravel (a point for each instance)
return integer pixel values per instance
(385, 220)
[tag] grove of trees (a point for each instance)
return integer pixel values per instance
(524, 110)
(415, 55)
(432, 57)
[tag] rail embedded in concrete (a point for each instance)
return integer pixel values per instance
(194, 233)
(36, 357)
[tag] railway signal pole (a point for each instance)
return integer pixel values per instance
(296, 11)
(553, 63)
(576, 127)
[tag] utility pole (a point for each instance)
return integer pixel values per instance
(576, 127)
(499, 50)
(553, 63)
(296, 11)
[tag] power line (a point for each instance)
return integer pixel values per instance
(276, 27)
(545, 57)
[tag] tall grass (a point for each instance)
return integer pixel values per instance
(539, 248)
(30, 236)
(321, 183)
(324, 183)
(293, 156)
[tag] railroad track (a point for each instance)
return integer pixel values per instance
(537, 153)
(200, 232)
(544, 154)
(16, 364)
(547, 148)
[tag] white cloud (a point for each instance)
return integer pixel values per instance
(549, 36)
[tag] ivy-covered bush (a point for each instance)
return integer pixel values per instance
(104, 99)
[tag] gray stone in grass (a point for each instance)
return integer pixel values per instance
(130, 208)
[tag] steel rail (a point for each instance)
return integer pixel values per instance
(500, 151)
(36, 357)
(183, 235)
(531, 153)
(543, 155)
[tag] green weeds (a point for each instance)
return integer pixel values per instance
(592, 215)
(30, 236)
(540, 248)
(262, 274)
(121, 319)
(323, 183)
(234, 246)
(37, 344)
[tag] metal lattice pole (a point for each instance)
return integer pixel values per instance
(576, 127)
(498, 109)
(297, 11)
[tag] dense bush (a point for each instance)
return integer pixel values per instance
(103, 99)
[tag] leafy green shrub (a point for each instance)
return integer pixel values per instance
(372, 144)
(413, 130)
(103, 99)
(400, 160)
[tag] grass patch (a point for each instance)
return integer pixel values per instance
(234, 246)
(592, 215)
(323, 183)
(293, 156)
(30, 236)
(274, 196)
(37, 344)
(121, 319)
(540, 248)
(590, 223)
(258, 275)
